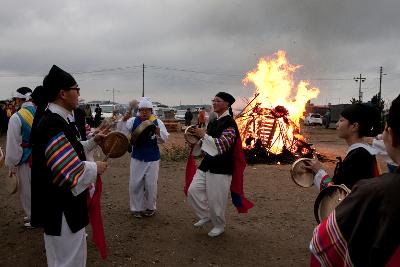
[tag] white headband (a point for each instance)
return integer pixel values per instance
(27, 96)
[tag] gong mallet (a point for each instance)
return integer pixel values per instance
(109, 152)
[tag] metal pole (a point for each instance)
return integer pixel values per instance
(359, 91)
(380, 87)
(143, 82)
(113, 101)
(360, 80)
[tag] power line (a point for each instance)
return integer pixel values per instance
(14, 75)
(125, 69)
(114, 69)
(195, 71)
(106, 70)
(329, 79)
(235, 75)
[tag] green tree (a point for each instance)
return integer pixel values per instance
(379, 104)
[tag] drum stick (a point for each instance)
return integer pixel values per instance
(109, 152)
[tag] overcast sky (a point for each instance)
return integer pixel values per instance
(193, 49)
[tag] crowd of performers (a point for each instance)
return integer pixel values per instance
(60, 182)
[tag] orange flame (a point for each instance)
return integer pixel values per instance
(274, 84)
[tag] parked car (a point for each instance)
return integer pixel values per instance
(313, 119)
(180, 115)
(106, 110)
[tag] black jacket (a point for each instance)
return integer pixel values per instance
(50, 201)
(220, 164)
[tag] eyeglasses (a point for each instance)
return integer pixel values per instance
(75, 88)
(217, 101)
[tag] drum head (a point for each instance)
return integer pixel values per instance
(328, 199)
(12, 184)
(300, 175)
(189, 137)
(143, 132)
(115, 144)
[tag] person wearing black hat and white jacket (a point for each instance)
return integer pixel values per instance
(145, 163)
(356, 122)
(18, 152)
(61, 173)
(209, 189)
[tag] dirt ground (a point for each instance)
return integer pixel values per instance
(276, 232)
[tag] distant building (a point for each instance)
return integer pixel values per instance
(320, 109)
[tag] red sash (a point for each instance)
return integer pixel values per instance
(96, 220)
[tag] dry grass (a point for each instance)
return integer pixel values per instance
(174, 152)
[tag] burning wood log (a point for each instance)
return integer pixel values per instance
(271, 137)
(269, 122)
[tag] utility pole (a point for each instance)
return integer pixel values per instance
(359, 80)
(113, 96)
(143, 82)
(380, 86)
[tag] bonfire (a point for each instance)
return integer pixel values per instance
(270, 122)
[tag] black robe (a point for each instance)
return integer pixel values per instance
(50, 201)
(358, 164)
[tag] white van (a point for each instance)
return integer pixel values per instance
(106, 110)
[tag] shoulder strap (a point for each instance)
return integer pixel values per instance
(27, 115)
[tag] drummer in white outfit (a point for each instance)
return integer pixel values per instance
(145, 163)
(18, 152)
(209, 190)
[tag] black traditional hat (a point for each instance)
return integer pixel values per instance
(366, 116)
(226, 97)
(56, 80)
(39, 96)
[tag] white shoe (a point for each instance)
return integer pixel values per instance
(26, 219)
(202, 222)
(216, 231)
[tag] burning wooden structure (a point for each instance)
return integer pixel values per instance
(269, 123)
(269, 136)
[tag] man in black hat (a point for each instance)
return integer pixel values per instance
(61, 174)
(208, 192)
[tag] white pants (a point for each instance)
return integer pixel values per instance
(143, 185)
(24, 175)
(208, 196)
(67, 250)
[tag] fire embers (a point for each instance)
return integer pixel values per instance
(271, 137)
